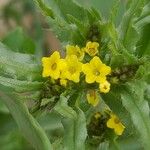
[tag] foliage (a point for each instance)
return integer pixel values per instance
(53, 116)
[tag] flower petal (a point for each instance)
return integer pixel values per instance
(105, 70)
(90, 78)
(96, 62)
(100, 79)
(86, 68)
(119, 128)
(110, 123)
(55, 74)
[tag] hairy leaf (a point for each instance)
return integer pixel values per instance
(70, 7)
(18, 66)
(27, 124)
(45, 9)
(19, 42)
(64, 109)
(133, 100)
(144, 18)
(20, 86)
(128, 33)
(74, 125)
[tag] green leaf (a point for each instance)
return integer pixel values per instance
(45, 101)
(128, 143)
(18, 66)
(142, 23)
(50, 122)
(143, 73)
(104, 146)
(117, 60)
(70, 17)
(75, 132)
(143, 46)
(144, 18)
(19, 42)
(61, 29)
(26, 123)
(102, 6)
(21, 86)
(133, 100)
(113, 100)
(46, 10)
(25, 90)
(3, 108)
(80, 26)
(128, 18)
(74, 123)
(128, 33)
(72, 8)
(10, 137)
(80, 130)
(13, 140)
(93, 15)
(62, 108)
(119, 54)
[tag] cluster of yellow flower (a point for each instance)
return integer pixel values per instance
(71, 67)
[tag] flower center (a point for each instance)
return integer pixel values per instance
(96, 72)
(116, 120)
(72, 70)
(78, 54)
(92, 93)
(54, 66)
(105, 87)
(92, 51)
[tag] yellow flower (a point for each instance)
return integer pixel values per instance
(63, 82)
(104, 87)
(75, 50)
(52, 65)
(114, 123)
(97, 115)
(92, 48)
(95, 71)
(92, 97)
(73, 69)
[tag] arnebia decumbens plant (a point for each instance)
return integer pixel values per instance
(99, 89)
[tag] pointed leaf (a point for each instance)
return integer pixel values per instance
(19, 42)
(74, 123)
(133, 100)
(45, 10)
(18, 65)
(144, 18)
(128, 33)
(71, 7)
(25, 121)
